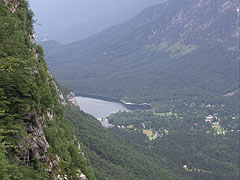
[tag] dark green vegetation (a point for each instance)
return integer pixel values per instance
(34, 135)
(180, 136)
(116, 158)
(210, 150)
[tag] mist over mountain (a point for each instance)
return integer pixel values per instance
(68, 21)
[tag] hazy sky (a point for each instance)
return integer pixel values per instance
(54, 16)
(62, 13)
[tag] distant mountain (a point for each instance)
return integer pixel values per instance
(82, 23)
(178, 49)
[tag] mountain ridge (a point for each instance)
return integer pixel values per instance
(85, 26)
(150, 49)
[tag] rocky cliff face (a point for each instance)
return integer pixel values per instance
(37, 145)
(36, 141)
(72, 98)
(13, 6)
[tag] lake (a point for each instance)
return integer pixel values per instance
(99, 108)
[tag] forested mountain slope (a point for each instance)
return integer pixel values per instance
(36, 141)
(178, 49)
(115, 158)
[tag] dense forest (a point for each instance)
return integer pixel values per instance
(202, 140)
(114, 157)
(36, 141)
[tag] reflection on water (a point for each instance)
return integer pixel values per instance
(99, 108)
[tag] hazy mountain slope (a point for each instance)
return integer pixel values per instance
(83, 18)
(177, 49)
(36, 141)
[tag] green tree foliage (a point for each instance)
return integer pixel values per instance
(11, 170)
(185, 138)
(3, 160)
(113, 157)
(26, 87)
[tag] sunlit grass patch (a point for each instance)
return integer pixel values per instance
(166, 114)
(130, 126)
(149, 133)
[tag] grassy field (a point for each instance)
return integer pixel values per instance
(149, 133)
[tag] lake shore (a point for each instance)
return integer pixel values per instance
(129, 105)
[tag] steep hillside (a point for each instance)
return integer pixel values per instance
(36, 141)
(178, 49)
(114, 157)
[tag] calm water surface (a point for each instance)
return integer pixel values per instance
(99, 108)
